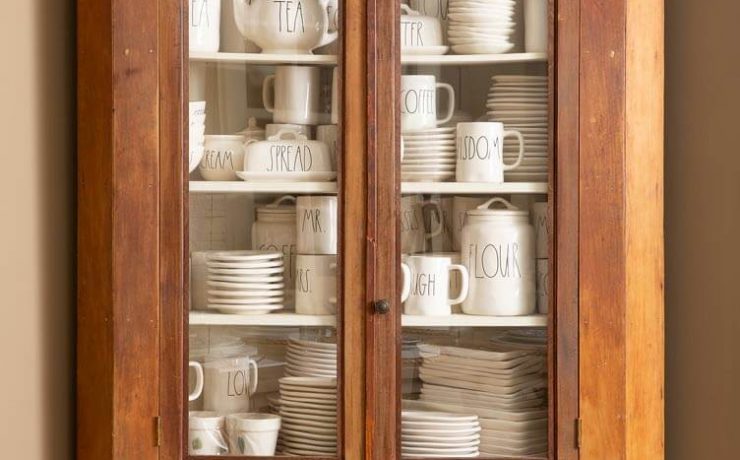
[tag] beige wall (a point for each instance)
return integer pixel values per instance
(37, 214)
(703, 229)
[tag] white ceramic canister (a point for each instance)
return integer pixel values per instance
(498, 250)
(205, 23)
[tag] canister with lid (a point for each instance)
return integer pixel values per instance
(498, 251)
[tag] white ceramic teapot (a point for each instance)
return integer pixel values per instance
(285, 26)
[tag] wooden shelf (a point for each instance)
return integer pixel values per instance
(262, 187)
(272, 319)
(442, 188)
(472, 59)
(293, 319)
(264, 59)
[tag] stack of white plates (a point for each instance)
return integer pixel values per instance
(311, 359)
(520, 102)
(197, 116)
(245, 282)
(480, 26)
(428, 155)
(308, 409)
(439, 434)
(506, 387)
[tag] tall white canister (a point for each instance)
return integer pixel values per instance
(498, 250)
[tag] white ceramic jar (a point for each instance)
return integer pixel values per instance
(498, 251)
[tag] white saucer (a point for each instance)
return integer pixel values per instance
(246, 271)
(288, 177)
(427, 176)
(242, 256)
(425, 50)
(246, 279)
(242, 294)
(246, 301)
(252, 310)
(235, 287)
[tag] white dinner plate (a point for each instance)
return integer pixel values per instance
(437, 416)
(245, 271)
(451, 439)
(310, 414)
(482, 49)
(441, 445)
(242, 294)
(247, 279)
(243, 256)
(246, 286)
(425, 50)
(324, 176)
(415, 176)
(246, 301)
(311, 390)
(303, 394)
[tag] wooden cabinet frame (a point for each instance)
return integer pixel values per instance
(606, 322)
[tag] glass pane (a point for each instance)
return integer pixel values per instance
(263, 227)
(474, 231)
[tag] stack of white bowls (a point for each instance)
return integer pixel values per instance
(480, 26)
(197, 119)
(428, 155)
(308, 409)
(520, 103)
(245, 282)
(311, 359)
(504, 386)
(439, 434)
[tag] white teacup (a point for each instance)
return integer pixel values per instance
(426, 285)
(316, 220)
(419, 31)
(287, 152)
(228, 384)
(461, 205)
(273, 128)
(198, 390)
(253, 433)
(480, 152)
(316, 284)
(328, 135)
(204, 21)
(419, 102)
(206, 433)
(413, 231)
(292, 94)
(223, 156)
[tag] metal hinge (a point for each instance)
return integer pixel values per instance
(158, 427)
(579, 432)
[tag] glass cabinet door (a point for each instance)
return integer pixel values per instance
(264, 220)
(474, 164)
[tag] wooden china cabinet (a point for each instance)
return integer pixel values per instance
(177, 270)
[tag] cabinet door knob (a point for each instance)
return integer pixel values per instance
(382, 306)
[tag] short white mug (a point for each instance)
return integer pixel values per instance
(195, 394)
(253, 433)
(419, 31)
(426, 285)
(461, 205)
(328, 135)
(228, 384)
(204, 21)
(224, 155)
(206, 433)
(292, 94)
(419, 102)
(480, 152)
(413, 231)
(316, 284)
(316, 221)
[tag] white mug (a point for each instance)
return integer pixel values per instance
(316, 224)
(419, 102)
(206, 433)
(252, 433)
(204, 21)
(292, 94)
(426, 285)
(461, 205)
(224, 155)
(273, 128)
(541, 225)
(195, 394)
(316, 284)
(419, 31)
(480, 152)
(543, 285)
(413, 232)
(328, 135)
(228, 384)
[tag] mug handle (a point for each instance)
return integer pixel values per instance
(518, 161)
(406, 289)
(450, 102)
(267, 83)
(465, 278)
(198, 380)
(328, 36)
(253, 376)
(438, 209)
